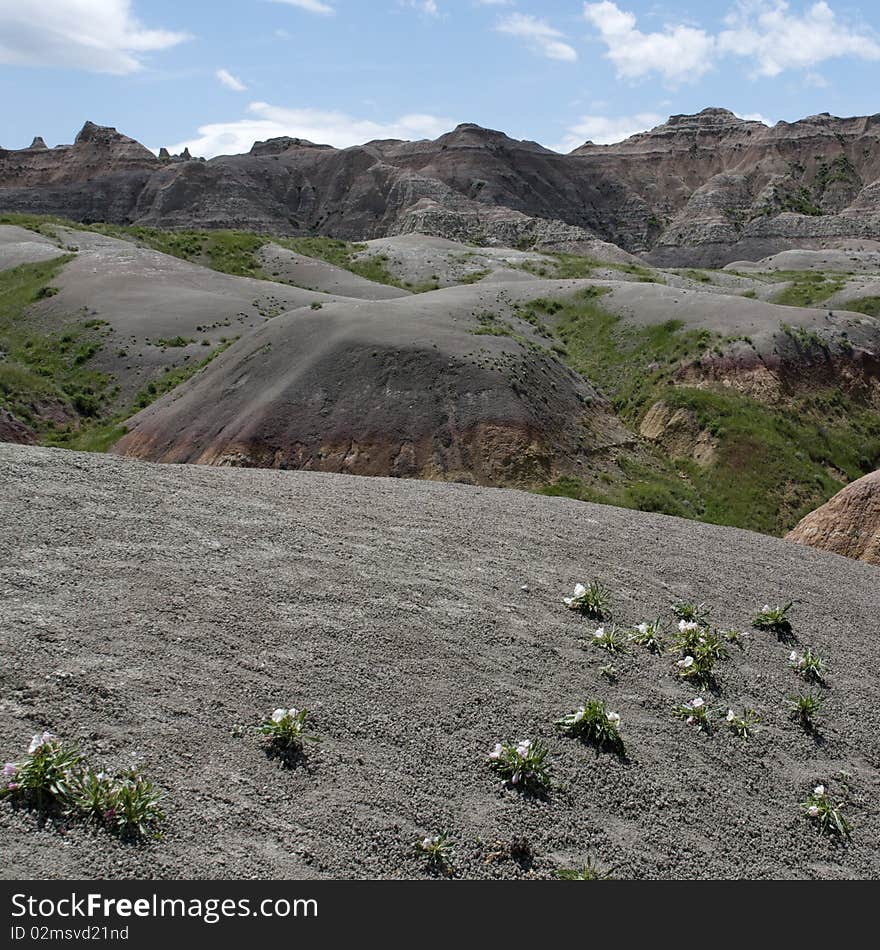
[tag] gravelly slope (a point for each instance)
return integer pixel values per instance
(146, 611)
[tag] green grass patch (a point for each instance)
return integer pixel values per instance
(774, 464)
(807, 288)
(870, 306)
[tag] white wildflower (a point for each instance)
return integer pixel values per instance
(686, 663)
(698, 703)
(819, 790)
(614, 718)
(813, 811)
(278, 715)
(496, 752)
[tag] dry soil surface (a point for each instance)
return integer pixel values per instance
(155, 614)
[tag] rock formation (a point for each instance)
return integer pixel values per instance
(705, 189)
(849, 524)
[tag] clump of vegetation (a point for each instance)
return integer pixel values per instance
(808, 664)
(285, 729)
(692, 613)
(804, 708)
(54, 775)
(46, 776)
(589, 872)
(807, 288)
(742, 725)
(438, 850)
(522, 765)
(593, 601)
(774, 618)
(826, 813)
(593, 723)
(649, 635)
(696, 714)
(609, 639)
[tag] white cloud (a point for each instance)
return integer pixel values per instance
(428, 7)
(266, 121)
(679, 53)
(312, 6)
(766, 32)
(776, 39)
(606, 130)
(230, 81)
(101, 36)
(542, 37)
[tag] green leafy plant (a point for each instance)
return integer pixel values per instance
(826, 813)
(774, 618)
(438, 850)
(744, 725)
(93, 795)
(135, 808)
(696, 714)
(522, 765)
(45, 777)
(696, 613)
(593, 723)
(593, 601)
(805, 707)
(589, 872)
(285, 729)
(808, 664)
(649, 635)
(609, 639)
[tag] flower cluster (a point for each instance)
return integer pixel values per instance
(649, 635)
(55, 775)
(773, 618)
(285, 728)
(695, 713)
(696, 613)
(593, 723)
(743, 725)
(593, 601)
(809, 664)
(609, 639)
(438, 849)
(521, 765)
(699, 647)
(819, 807)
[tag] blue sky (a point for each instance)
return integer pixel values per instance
(218, 75)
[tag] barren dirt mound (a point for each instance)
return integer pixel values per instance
(416, 387)
(849, 524)
(155, 614)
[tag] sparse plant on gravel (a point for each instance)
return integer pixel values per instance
(593, 601)
(774, 618)
(44, 778)
(808, 664)
(699, 670)
(589, 872)
(609, 639)
(698, 641)
(805, 707)
(523, 764)
(735, 637)
(649, 635)
(744, 725)
(609, 671)
(285, 729)
(593, 723)
(696, 613)
(135, 806)
(92, 795)
(826, 813)
(695, 713)
(437, 849)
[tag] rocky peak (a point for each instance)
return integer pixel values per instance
(38, 143)
(283, 143)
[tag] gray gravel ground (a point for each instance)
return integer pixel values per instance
(146, 612)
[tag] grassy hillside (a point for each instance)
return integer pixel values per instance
(774, 463)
